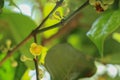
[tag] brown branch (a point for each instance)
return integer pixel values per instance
(58, 3)
(36, 67)
(36, 31)
(36, 60)
(64, 30)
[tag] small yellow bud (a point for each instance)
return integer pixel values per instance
(14, 63)
(36, 49)
(8, 43)
(24, 58)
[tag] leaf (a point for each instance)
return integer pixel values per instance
(111, 59)
(20, 70)
(16, 27)
(1, 4)
(116, 78)
(6, 70)
(12, 3)
(108, 77)
(26, 75)
(1, 36)
(53, 18)
(102, 27)
(116, 36)
(112, 52)
(63, 62)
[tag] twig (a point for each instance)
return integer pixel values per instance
(36, 61)
(35, 38)
(10, 53)
(36, 67)
(64, 30)
(58, 3)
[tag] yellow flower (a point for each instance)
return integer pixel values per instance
(36, 49)
(43, 55)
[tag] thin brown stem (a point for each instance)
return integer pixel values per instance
(36, 67)
(35, 38)
(44, 20)
(36, 61)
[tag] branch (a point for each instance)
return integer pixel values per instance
(36, 61)
(58, 3)
(36, 31)
(64, 30)
(36, 67)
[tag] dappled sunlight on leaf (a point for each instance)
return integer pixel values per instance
(56, 17)
(116, 36)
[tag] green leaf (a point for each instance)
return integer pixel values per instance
(20, 70)
(102, 27)
(1, 36)
(116, 78)
(65, 63)
(26, 75)
(116, 36)
(16, 27)
(112, 52)
(1, 4)
(111, 59)
(108, 77)
(6, 70)
(54, 18)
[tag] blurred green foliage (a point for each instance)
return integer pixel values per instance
(63, 61)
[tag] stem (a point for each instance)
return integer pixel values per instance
(44, 20)
(77, 11)
(36, 31)
(35, 38)
(36, 67)
(36, 61)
